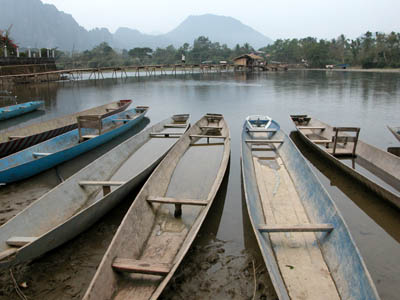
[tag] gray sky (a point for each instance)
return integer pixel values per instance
(275, 19)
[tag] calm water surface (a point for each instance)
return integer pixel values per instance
(366, 100)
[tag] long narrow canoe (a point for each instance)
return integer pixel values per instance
(395, 131)
(24, 137)
(50, 153)
(154, 236)
(19, 109)
(305, 243)
(373, 167)
(85, 197)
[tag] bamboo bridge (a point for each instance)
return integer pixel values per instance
(98, 73)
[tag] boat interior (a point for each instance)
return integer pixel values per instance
(286, 224)
(94, 187)
(172, 204)
(351, 151)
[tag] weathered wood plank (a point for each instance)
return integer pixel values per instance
(261, 142)
(262, 130)
(89, 136)
(15, 137)
(177, 201)
(108, 183)
(211, 127)
(19, 241)
(38, 154)
(321, 141)
(165, 133)
(175, 126)
(349, 129)
(207, 136)
(311, 127)
(295, 228)
(138, 266)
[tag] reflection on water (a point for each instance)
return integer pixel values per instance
(366, 100)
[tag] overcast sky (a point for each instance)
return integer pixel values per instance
(275, 19)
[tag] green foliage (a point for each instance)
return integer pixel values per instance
(371, 50)
(377, 50)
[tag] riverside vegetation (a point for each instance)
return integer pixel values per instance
(372, 50)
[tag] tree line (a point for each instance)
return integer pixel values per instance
(371, 50)
(201, 51)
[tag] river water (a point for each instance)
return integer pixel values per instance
(366, 100)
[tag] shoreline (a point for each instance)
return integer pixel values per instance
(355, 69)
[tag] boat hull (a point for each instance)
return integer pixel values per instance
(68, 223)
(339, 251)
(19, 109)
(137, 230)
(37, 133)
(395, 131)
(385, 165)
(26, 169)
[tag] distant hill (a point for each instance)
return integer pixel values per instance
(225, 30)
(35, 24)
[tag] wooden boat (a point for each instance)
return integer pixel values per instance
(153, 238)
(373, 167)
(85, 197)
(305, 243)
(24, 137)
(395, 131)
(92, 131)
(19, 109)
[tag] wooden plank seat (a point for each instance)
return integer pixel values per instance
(142, 267)
(165, 134)
(108, 183)
(321, 141)
(336, 139)
(261, 130)
(40, 154)
(262, 149)
(311, 127)
(177, 202)
(295, 228)
(89, 136)
(207, 136)
(175, 126)
(262, 142)
(89, 121)
(169, 200)
(19, 241)
(15, 137)
(105, 184)
(207, 144)
(210, 127)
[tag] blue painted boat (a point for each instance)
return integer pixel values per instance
(82, 199)
(50, 153)
(15, 140)
(305, 243)
(19, 109)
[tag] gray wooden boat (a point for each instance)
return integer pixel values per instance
(305, 243)
(373, 167)
(85, 197)
(15, 140)
(395, 131)
(153, 238)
